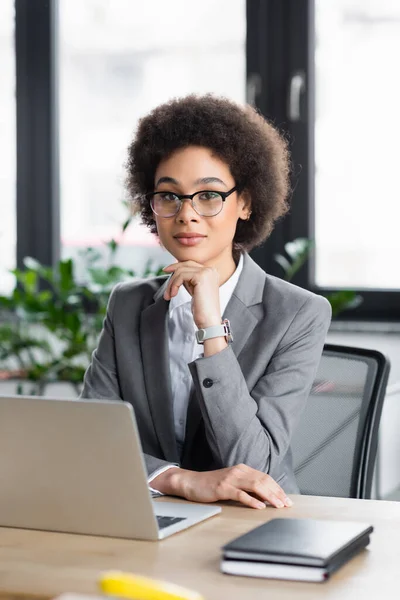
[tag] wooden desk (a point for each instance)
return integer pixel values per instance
(43, 564)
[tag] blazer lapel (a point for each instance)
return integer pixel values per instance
(155, 353)
(244, 311)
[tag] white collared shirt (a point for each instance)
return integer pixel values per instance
(183, 349)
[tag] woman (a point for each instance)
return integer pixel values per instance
(215, 416)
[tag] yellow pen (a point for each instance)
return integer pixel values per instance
(136, 587)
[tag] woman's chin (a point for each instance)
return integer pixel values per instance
(183, 254)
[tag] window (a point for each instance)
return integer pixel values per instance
(118, 60)
(357, 128)
(326, 74)
(7, 146)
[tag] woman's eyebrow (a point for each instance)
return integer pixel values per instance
(210, 180)
(205, 180)
(167, 180)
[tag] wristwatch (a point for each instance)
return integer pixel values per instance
(223, 330)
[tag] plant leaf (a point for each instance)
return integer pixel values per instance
(66, 272)
(298, 247)
(283, 262)
(343, 300)
(112, 245)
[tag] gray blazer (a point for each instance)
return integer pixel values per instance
(246, 399)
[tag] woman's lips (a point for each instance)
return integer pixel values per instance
(193, 240)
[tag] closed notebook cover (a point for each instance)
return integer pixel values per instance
(309, 542)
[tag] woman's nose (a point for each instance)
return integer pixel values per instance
(187, 212)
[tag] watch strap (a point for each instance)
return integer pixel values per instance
(223, 330)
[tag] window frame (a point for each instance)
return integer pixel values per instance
(281, 43)
(37, 193)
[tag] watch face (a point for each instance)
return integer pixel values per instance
(200, 336)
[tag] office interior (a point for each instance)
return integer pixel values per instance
(78, 74)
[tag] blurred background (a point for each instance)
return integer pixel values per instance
(76, 75)
(323, 71)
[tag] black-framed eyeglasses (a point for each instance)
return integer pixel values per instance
(207, 203)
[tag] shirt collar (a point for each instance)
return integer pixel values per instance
(225, 291)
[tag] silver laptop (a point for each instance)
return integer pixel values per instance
(77, 466)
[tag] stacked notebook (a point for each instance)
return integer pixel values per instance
(299, 549)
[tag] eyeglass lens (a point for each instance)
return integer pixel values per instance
(206, 203)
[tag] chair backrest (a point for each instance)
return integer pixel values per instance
(335, 443)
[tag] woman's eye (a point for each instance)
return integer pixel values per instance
(209, 195)
(168, 197)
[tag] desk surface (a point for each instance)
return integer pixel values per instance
(43, 564)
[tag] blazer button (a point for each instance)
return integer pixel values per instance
(207, 382)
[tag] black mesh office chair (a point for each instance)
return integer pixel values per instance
(334, 446)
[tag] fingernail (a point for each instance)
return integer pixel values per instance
(260, 505)
(279, 504)
(288, 501)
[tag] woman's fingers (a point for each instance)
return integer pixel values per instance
(233, 492)
(261, 485)
(244, 498)
(190, 275)
(183, 270)
(267, 491)
(181, 277)
(265, 487)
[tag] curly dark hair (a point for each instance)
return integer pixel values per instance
(255, 151)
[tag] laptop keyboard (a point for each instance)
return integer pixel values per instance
(167, 521)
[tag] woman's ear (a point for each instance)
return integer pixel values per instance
(245, 206)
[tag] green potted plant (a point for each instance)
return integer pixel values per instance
(50, 322)
(297, 253)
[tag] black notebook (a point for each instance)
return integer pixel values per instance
(302, 549)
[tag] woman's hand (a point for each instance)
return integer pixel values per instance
(202, 283)
(240, 483)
